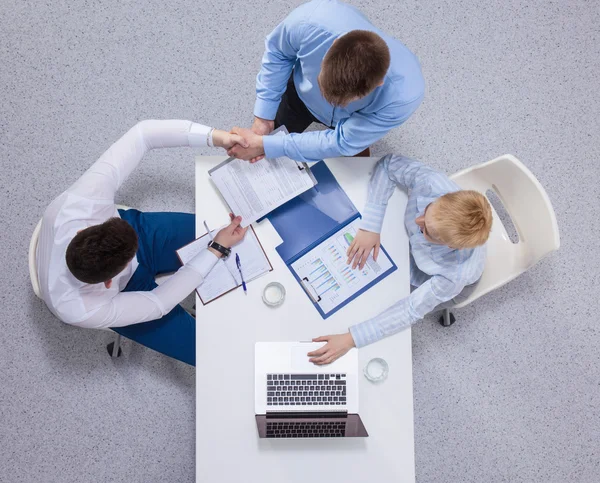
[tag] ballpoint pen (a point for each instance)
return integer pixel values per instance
(239, 266)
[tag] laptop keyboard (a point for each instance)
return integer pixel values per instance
(306, 389)
(301, 429)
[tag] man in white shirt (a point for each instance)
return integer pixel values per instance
(96, 265)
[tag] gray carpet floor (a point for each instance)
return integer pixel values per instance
(508, 394)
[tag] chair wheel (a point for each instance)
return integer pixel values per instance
(110, 347)
(452, 320)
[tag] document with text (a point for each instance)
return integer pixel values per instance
(252, 190)
(225, 276)
(328, 279)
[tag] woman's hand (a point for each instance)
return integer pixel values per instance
(361, 247)
(336, 347)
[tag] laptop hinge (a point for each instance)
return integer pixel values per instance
(306, 414)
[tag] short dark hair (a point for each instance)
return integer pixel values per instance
(100, 252)
(355, 65)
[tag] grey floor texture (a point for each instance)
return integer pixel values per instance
(508, 394)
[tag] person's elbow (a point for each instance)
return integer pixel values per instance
(347, 148)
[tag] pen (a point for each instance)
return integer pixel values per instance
(207, 230)
(239, 266)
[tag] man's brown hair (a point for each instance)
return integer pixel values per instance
(355, 65)
(462, 219)
(101, 252)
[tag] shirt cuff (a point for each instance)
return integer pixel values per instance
(373, 216)
(203, 263)
(198, 135)
(273, 146)
(266, 109)
(365, 333)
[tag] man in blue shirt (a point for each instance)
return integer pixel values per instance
(327, 63)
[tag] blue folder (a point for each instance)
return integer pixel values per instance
(304, 222)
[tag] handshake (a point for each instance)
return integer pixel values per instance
(243, 143)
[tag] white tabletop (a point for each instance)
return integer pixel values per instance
(228, 448)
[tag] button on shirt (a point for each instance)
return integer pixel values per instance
(440, 273)
(300, 42)
(91, 201)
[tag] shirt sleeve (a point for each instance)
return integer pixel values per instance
(410, 173)
(350, 136)
(105, 176)
(128, 308)
(407, 311)
(281, 49)
(381, 188)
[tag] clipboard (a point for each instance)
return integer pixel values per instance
(221, 261)
(307, 221)
(250, 190)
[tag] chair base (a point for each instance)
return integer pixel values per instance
(447, 318)
(114, 348)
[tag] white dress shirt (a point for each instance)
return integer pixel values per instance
(91, 201)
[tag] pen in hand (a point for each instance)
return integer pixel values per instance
(239, 266)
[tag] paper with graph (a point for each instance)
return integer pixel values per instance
(328, 279)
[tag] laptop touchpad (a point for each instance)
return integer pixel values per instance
(300, 360)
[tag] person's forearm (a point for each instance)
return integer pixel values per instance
(129, 308)
(405, 312)
(349, 137)
(106, 175)
(186, 279)
(381, 188)
(305, 147)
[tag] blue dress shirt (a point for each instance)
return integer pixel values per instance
(440, 273)
(300, 42)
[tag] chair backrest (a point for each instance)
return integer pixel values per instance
(33, 276)
(531, 212)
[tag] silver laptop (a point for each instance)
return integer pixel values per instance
(296, 399)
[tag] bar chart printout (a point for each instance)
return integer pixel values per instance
(332, 280)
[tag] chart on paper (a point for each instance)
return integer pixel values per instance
(326, 275)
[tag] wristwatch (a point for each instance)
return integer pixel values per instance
(220, 248)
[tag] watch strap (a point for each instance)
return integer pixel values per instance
(220, 248)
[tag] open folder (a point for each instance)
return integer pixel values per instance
(251, 190)
(317, 228)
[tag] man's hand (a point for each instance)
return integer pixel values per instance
(361, 247)
(336, 347)
(262, 127)
(231, 235)
(255, 150)
(224, 139)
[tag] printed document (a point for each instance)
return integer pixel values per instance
(252, 190)
(327, 278)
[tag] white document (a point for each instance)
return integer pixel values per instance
(328, 279)
(225, 275)
(254, 189)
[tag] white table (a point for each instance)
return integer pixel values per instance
(228, 448)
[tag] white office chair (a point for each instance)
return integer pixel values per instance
(531, 212)
(114, 348)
